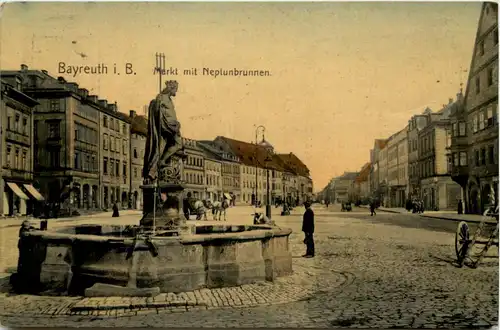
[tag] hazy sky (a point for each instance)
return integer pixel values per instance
(343, 74)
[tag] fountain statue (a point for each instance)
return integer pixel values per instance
(162, 171)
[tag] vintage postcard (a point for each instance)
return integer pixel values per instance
(249, 164)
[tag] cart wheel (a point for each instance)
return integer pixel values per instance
(476, 258)
(462, 242)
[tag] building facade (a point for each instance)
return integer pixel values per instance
(383, 179)
(377, 190)
(438, 191)
(481, 108)
(194, 169)
(415, 125)
(66, 133)
(115, 155)
(138, 134)
(213, 170)
(19, 196)
(397, 168)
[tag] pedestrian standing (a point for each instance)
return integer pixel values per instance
(116, 214)
(460, 207)
(372, 208)
(308, 229)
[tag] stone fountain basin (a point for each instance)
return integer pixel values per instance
(75, 258)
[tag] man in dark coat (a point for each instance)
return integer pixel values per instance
(308, 229)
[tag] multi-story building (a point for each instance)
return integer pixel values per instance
(138, 134)
(383, 176)
(17, 148)
(299, 184)
(194, 169)
(439, 192)
(375, 187)
(397, 168)
(415, 125)
(481, 113)
(115, 155)
(230, 168)
(213, 169)
(66, 127)
(362, 184)
(345, 190)
(213, 176)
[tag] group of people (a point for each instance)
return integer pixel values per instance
(415, 205)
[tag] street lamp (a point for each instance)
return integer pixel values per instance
(268, 160)
(256, 164)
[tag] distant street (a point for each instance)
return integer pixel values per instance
(388, 270)
(404, 220)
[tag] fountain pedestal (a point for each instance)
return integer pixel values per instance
(168, 215)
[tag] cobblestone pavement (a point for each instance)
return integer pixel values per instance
(365, 274)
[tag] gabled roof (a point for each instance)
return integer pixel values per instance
(294, 164)
(251, 154)
(364, 173)
(381, 143)
(139, 125)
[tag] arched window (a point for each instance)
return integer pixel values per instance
(105, 121)
(135, 153)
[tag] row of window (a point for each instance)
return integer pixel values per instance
(494, 36)
(213, 180)
(489, 79)
(114, 167)
(485, 156)
(396, 174)
(115, 144)
(230, 182)
(426, 143)
(16, 158)
(86, 134)
(195, 161)
(114, 124)
(212, 166)
(458, 129)
(484, 118)
(193, 178)
(88, 112)
(226, 168)
(86, 162)
(17, 125)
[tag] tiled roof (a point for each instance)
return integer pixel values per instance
(381, 143)
(253, 155)
(294, 164)
(364, 173)
(139, 125)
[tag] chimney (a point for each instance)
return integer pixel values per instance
(45, 72)
(450, 100)
(112, 107)
(132, 114)
(24, 67)
(103, 103)
(83, 92)
(93, 98)
(73, 86)
(61, 80)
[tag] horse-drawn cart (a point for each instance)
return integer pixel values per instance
(472, 250)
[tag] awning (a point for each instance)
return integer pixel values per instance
(227, 196)
(17, 190)
(32, 190)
